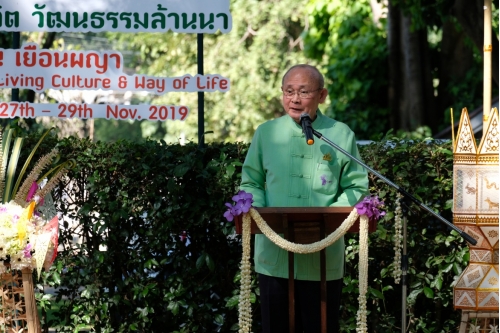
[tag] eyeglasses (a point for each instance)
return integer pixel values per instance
(303, 94)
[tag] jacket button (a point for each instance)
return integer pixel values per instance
(301, 176)
(299, 196)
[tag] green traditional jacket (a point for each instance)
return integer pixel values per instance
(281, 170)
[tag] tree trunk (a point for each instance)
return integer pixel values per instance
(395, 56)
(411, 94)
(455, 60)
(431, 118)
(412, 113)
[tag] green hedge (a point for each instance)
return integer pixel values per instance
(436, 256)
(133, 204)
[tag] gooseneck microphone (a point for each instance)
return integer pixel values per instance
(305, 122)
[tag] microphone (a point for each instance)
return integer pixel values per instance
(305, 122)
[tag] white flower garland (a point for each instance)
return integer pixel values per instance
(245, 319)
(398, 240)
(363, 274)
(244, 306)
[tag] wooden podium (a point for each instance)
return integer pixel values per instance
(304, 225)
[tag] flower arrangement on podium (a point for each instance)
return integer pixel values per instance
(28, 237)
(27, 240)
(366, 210)
(28, 229)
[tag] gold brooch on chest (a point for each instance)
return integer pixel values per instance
(327, 157)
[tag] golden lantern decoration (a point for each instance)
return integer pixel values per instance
(475, 210)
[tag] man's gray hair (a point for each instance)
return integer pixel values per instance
(314, 71)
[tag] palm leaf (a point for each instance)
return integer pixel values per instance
(3, 161)
(6, 139)
(11, 170)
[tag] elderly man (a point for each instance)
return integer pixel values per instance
(282, 170)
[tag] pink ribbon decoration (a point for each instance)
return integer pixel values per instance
(53, 228)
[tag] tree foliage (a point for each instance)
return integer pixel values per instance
(405, 71)
(353, 51)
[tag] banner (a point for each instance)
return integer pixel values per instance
(187, 16)
(40, 69)
(87, 111)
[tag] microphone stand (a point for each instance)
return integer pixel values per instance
(406, 197)
(404, 265)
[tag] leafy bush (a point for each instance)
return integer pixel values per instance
(146, 249)
(154, 254)
(435, 256)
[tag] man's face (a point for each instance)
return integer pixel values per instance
(302, 80)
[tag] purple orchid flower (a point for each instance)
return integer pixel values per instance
(245, 197)
(32, 191)
(370, 206)
(243, 203)
(232, 211)
(229, 213)
(27, 250)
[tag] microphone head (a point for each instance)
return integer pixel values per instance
(304, 116)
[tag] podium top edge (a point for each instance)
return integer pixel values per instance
(295, 210)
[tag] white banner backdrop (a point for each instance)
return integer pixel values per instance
(90, 111)
(188, 16)
(40, 69)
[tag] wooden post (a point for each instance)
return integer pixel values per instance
(487, 49)
(30, 302)
(322, 260)
(289, 235)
